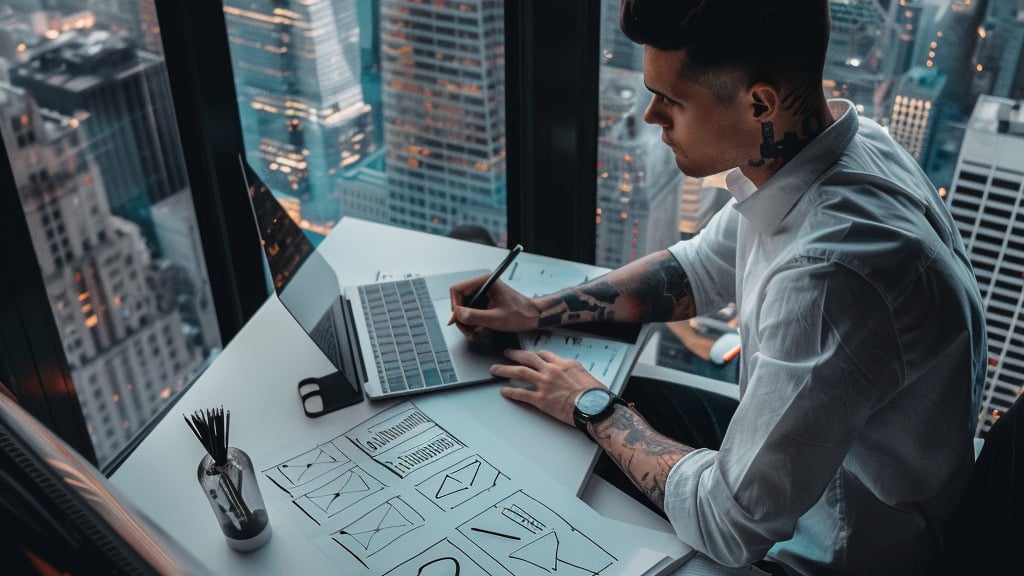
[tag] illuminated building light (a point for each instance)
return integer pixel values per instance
(92, 321)
(116, 398)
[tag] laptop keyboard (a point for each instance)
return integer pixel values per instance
(405, 336)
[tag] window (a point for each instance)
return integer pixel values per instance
(91, 138)
(367, 108)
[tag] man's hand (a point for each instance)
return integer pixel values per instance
(556, 381)
(506, 310)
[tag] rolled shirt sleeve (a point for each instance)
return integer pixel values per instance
(807, 398)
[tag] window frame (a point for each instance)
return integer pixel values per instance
(552, 156)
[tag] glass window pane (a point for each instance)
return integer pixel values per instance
(387, 110)
(88, 122)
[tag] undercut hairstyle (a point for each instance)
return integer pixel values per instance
(733, 44)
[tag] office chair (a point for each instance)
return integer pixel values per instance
(59, 515)
(987, 535)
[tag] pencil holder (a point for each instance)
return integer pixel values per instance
(236, 500)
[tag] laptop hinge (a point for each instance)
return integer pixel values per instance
(353, 339)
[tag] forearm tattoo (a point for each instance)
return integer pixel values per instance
(661, 293)
(644, 455)
(667, 292)
(583, 303)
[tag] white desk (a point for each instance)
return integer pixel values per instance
(255, 378)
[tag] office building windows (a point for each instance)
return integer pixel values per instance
(366, 108)
(91, 138)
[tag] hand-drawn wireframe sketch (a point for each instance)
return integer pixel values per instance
(529, 539)
(403, 439)
(457, 484)
(379, 527)
(539, 278)
(295, 473)
(338, 494)
(441, 559)
(601, 357)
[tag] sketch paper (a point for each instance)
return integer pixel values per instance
(602, 358)
(400, 494)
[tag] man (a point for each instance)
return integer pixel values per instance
(861, 322)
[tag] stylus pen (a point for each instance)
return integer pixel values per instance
(474, 302)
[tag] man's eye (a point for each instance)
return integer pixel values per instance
(667, 101)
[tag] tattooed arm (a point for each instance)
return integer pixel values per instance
(652, 289)
(644, 455)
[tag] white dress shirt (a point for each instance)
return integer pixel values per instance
(863, 362)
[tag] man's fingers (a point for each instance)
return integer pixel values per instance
(549, 356)
(517, 394)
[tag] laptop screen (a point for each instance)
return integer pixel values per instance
(304, 281)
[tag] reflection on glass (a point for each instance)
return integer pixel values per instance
(86, 117)
(386, 110)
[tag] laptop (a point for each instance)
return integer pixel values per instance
(387, 339)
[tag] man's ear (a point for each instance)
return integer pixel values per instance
(764, 101)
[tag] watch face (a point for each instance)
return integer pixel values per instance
(594, 401)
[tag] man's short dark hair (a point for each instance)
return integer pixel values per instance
(781, 42)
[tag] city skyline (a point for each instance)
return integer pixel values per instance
(394, 111)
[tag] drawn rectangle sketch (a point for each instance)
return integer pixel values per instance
(399, 494)
(379, 527)
(458, 484)
(403, 440)
(441, 559)
(527, 538)
(296, 473)
(339, 494)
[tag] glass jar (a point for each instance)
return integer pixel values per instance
(235, 498)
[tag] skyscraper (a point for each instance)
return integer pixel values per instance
(987, 202)
(999, 56)
(915, 110)
(638, 185)
(297, 76)
(443, 77)
(129, 126)
(124, 343)
(859, 61)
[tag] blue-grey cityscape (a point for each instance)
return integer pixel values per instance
(394, 111)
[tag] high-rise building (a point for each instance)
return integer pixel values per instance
(136, 17)
(987, 202)
(859, 62)
(951, 50)
(129, 123)
(443, 84)
(124, 343)
(915, 110)
(638, 184)
(300, 99)
(999, 56)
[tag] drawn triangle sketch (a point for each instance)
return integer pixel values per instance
(542, 552)
(458, 480)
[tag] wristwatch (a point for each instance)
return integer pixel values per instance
(594, 405)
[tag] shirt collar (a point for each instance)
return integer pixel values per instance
(766, 208)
